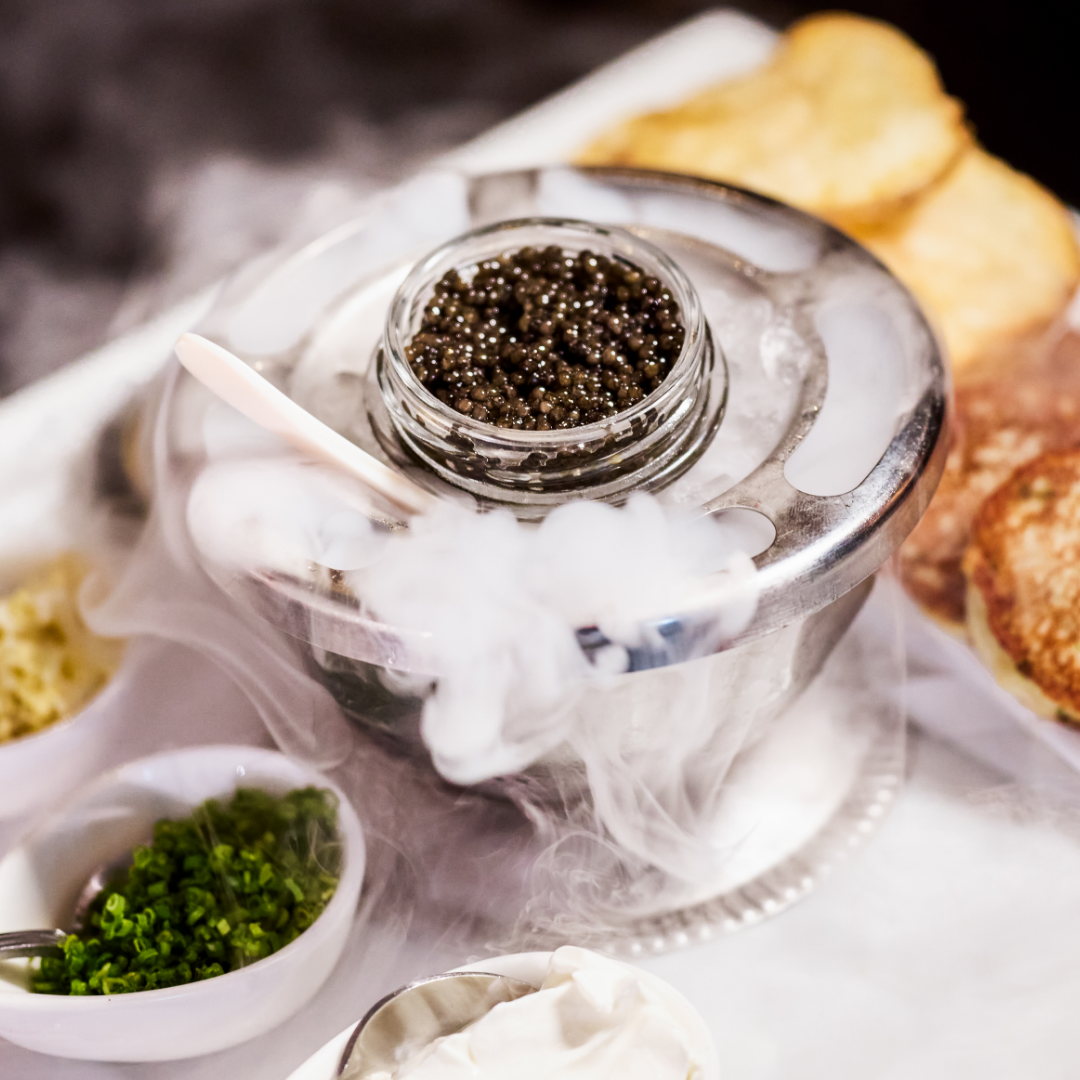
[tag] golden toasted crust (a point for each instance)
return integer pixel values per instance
(989, 252)
(1024, 561)
(847, 120)
(1002, 667)
(1001, 422)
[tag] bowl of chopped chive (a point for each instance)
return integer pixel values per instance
(207, 892)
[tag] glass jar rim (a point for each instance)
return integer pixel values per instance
(670, 273)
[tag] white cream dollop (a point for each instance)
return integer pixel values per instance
(592, 1018)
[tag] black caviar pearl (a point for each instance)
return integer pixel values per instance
(544, 338)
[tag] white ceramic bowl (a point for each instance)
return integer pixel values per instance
(38, 769)
(530, 968)
(40, 880)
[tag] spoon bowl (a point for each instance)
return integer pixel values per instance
(23, 944)
(403, 1023)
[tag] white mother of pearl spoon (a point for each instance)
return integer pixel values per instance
(242, 387)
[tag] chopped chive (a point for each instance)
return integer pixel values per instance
(227, 886)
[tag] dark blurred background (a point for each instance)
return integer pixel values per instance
(146, 146)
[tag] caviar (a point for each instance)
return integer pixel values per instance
(544, 338)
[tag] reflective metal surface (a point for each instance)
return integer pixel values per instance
(824, 545)
(20, 943)
(407, 1021)
(815, 568)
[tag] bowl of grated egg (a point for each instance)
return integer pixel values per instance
(57, 685)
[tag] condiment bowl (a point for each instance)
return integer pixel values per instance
(531, 967)
(41, 880)
(38, 769)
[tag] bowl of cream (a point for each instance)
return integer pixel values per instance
(590, 1018)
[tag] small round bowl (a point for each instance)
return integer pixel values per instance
(42, 878)
(38, 769)
(530, 968)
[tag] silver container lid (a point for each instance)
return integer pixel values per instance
(830, 447)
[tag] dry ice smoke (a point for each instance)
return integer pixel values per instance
(598, 794)
(497, 605)
(633, 765)
(502, 602)
(629, 776)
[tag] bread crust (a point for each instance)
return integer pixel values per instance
(1002, 421)
(990, 253)
(848, 120)
(1024, 562)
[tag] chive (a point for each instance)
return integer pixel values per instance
(227, 886)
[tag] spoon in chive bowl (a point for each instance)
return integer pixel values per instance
(18, 944)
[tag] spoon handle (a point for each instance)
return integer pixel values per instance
(30, 943)
(242, 387)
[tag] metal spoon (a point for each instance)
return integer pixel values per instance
(242, 387)
(31, 943)
(408, 1020)
(20, 943)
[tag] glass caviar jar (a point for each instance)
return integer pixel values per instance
(641, 448)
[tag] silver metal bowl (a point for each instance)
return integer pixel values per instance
(775, 283)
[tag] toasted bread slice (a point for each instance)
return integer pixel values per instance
(1023, 567)
(1001, 422)
(989, 252)
(848, 120)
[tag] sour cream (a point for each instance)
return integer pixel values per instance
(592, 1018)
